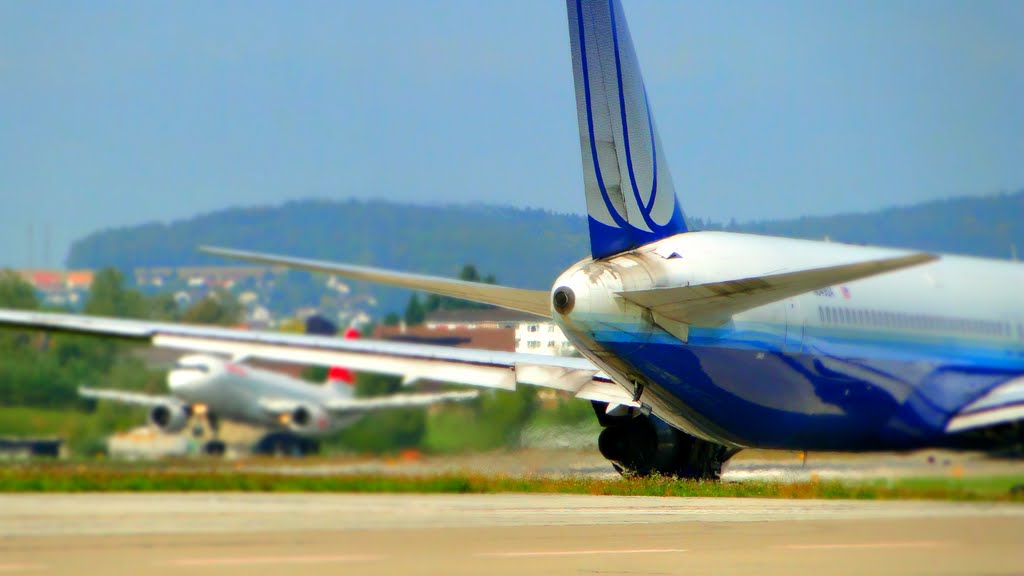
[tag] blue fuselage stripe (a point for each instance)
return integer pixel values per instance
(837, 390)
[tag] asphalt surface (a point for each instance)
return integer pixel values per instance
(500, 534)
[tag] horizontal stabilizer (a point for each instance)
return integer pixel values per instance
(714, 303)
(532, 301)
(1002, 405)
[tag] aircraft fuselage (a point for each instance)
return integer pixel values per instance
(878, 363)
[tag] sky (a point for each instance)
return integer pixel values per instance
(119, 113)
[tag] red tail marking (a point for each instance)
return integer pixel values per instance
(338, 374)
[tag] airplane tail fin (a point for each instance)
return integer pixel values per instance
(630, 197)
(339, 378)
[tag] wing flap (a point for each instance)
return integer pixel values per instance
(714, 303)
(532, 301)
(393, 401)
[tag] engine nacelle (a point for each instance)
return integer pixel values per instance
(169, 418)
(309, 419)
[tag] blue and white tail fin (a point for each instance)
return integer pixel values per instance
(630, 197)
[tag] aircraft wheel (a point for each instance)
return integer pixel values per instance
(644, 445)
(214, 448)
(288, 445)
(309, 447)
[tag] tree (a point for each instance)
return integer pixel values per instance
(163, 307)
(16, 293)
(109, 297)
(414, 311)
(218, 308)
(469, 273)
(86, 356)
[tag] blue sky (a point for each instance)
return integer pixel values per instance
(117, 113)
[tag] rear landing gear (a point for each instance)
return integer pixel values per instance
(639, 445)
(285, 444)
(214, 448)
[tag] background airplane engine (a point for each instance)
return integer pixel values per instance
(309, 419)
(169, 418)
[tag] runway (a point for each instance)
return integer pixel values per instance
(500, 534)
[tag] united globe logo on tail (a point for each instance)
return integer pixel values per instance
(630, 197)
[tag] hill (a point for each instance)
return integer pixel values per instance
(525, 248)
(976, 226)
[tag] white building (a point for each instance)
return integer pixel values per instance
(529, 333)
(542, 337)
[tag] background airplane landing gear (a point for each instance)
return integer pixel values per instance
(285, 444)
(639, 445)
(214, 448)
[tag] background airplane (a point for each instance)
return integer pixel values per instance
(698, 344)
(296, 412)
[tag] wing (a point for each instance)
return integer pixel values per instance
(127, 397)
(533, 301)
(483, 368)
(714, 303)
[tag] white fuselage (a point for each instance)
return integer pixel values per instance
(239, 392)
(891, 333)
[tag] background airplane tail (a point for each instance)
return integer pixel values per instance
(343, 377)
(340, 379)
(630, 197)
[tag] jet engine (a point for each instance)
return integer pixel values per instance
(308, 419)
(644, 445)
(169, 418)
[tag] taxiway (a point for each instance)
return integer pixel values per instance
(500, 534)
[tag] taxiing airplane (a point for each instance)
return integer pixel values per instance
(297, 412)
(698, 344)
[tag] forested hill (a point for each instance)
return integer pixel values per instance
(523, 247)
(978, 226)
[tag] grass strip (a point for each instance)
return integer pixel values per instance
(69, 479)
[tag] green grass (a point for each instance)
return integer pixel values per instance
(26, 421)
(994, 485)
(86, 432)
(126, 477)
